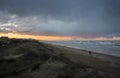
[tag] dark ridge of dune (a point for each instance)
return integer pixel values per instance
(22, 58)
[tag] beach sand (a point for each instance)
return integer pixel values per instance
(103, 62)
(33, 59)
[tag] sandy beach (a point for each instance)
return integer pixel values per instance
(33, 59)
(103, 62)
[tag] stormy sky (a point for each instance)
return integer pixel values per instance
(86, 18)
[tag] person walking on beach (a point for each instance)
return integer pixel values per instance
(90, 52)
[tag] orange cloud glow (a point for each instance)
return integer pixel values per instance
(11, 35)
(51, 38)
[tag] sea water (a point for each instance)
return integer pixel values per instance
(105, 47)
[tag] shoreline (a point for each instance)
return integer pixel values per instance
(73, 47)
(103, 62)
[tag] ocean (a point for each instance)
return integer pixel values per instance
(105, 47)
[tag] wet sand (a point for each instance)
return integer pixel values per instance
(103, 62)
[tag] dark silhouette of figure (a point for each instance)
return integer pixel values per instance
(90, 52)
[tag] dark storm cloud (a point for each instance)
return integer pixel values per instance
(51, 7)
(62, 17)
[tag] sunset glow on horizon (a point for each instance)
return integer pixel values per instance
(49, 20)
(52, 38)
(37, 37)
